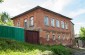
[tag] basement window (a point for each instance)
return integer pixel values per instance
(47, 37)
(58, 37)
(63, 37)
(54, 37)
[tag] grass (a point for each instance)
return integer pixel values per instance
(12, 47)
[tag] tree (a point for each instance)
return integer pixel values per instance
(1, 0)
(82, 33)
(5, 19)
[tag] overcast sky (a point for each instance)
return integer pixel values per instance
(74, 9)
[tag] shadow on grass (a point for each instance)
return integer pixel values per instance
(15, 46)
(12, 47)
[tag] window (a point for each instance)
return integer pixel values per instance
(25, 23)
(58, 37)
(57, 23)
(62, 24)
(18, 23)
(46, 21)
(47, 37)
(52, 22)
(63, 37)
(54, 37)
(31, 21)
(66, 25)
(67, 38)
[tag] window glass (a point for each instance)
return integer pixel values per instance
(25, 23)
(62, 24)
(57, 23)
(52, 22)
(46, 21)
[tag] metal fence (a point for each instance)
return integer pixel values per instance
(12, 33)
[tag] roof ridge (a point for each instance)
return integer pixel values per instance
(37, 7)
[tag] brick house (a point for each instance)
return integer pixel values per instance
(53, 28)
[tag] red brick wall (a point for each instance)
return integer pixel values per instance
(39, 15)
(40, 23)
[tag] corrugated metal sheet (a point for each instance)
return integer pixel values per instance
(12, 33)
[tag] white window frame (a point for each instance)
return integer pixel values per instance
(31, 21)
(46, 20)
(53, 22)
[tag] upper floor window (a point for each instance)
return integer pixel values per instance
(25, 23)
(57, 23)
(62, 24)
(46, 21)
(52, 22)
(31, 21)
(18, 23)
(66, 25)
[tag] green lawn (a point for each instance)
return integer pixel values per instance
(11, 47)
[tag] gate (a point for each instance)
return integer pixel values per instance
(32, 36)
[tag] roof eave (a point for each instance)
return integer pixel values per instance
(41, 8)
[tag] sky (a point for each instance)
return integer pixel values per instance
(74, 9)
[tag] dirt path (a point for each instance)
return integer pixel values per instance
(78, 52)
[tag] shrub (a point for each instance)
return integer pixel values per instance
(11, 47)
(61, 50)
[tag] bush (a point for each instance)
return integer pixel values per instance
(61, 50)
(11, 47)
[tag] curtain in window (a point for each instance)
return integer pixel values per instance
(31, 21)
